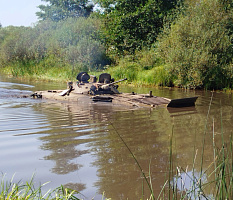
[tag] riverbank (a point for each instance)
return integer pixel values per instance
(136, 76)
(141, 69)
(39, 71)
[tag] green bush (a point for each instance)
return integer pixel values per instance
(142, 68)
(197, 46)
(73, 43)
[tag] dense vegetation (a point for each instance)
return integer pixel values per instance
(198, 46)
(178, 42)
(131, 25)
(58, 10)
(53, 48)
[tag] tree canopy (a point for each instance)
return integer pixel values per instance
(174, 42)
(132, 24)
(57, 10)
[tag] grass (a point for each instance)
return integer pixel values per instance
(215, 182)
(139, 69)
(19, 191)
(45, 70)
(9, 190)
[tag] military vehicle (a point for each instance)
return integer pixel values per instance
(88, 84)
(87, 89)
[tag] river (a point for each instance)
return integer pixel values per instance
(78, 144)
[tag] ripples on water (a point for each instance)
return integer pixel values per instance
(77, 145)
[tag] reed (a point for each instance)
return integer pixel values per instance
(219, 172)
(10, 190)
(149, 184)
(47, 69)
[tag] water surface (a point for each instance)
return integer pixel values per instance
(78, 145)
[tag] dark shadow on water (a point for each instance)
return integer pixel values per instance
(182, 111)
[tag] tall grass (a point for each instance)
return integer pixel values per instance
(143, 68)
(215, 182)
(149, 184)
(10, 190)
(218, 176)
(47, 69)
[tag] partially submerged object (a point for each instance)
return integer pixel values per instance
(105, 90)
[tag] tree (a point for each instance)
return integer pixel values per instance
(57, 10)
(133, 24)
(198, 45)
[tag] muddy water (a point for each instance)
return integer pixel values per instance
(78, 145)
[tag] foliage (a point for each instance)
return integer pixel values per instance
(11, 190)
(73, 42)
(131, 25)
(195, 45)
(142, 68)
(15, 43)
(57, 10)
(198, 45)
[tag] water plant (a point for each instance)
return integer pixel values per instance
(215, 182)
(11, 190)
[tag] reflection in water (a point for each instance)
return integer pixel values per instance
(68, 134)
(116, 166)
(77, 144)
(189, 181)
(182, 111)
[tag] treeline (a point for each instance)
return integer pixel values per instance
(183, 43)
(73, 44)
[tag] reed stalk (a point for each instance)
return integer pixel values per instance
(20, 191)
(138, 164)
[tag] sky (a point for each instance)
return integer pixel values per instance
(19, 12)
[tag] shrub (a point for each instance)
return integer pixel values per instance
(74, 42)
(197, 46)
(143, 68)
